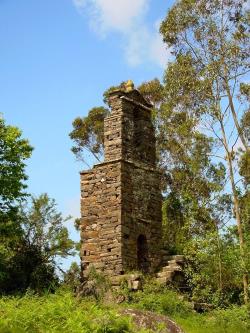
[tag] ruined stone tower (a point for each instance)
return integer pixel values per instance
(121, 197)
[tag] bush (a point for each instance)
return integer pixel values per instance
(27, 270)
(155, 297)
(72, 278)
(95, 285)
(159, 299)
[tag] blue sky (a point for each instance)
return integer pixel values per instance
(56, 59)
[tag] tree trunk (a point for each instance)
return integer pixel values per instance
(237, 214)
(239, 129)
(220, 284)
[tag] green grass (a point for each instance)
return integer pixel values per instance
(232, 320)
(62, 312)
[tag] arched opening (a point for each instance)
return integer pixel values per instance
(142, 254)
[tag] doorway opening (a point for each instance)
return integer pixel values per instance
(142, 254)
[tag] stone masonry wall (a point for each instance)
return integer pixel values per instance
(121, 198)
(141, 214)
(101, 218)
(128, 131)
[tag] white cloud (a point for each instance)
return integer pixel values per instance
(136, 46)
(79, 3)
(142, 45)
(108, 15)
(158, 51)
(140, 42)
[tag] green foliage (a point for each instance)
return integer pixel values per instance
(87, 134)
(232, 320)
(95, 285)
(27, 269)
(245, 91)
(244, 167)
(30, 260)
(156, 298)
(168, 302)
(213, 268)
(72, 277)
(60, 312)
(44, 229)
(191, 23)
(203, 87)
(110, 89)
(13, 152)
(194, 110)
(153, 91)
(173, 224)
(193, 181)
(180, 91)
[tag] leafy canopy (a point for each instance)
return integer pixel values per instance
(14, 151)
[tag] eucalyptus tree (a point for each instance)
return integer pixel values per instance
(210, 42)
(88, 134)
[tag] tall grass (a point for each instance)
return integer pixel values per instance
(60, 312)
(232, 320)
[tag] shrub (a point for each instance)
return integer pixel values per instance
(158, 298)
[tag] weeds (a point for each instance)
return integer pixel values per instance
(62, 312)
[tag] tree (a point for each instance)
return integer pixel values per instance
(192, 182)
(210, 283)
(35, 253)
(88, 135)
(13, 152)
(26, 268)
(209, 40)
(72, 278)
(44, 230)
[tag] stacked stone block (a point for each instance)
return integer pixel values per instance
(121, 197)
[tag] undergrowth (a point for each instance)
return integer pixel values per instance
(235, 319)
(62, 312)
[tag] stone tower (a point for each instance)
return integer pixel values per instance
(121, 228)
